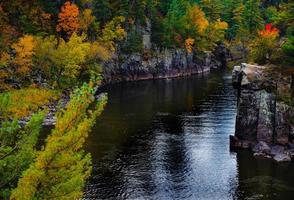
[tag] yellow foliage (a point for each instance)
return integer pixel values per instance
(220, 25)
(69, 56)
(86, 19)
(21, 103)
(113, 31)
(24, 50)
(189, 44)
(99, 51)
(215, 33)
(196, 19)
(4, 58)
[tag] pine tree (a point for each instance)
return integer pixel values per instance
(17, 150)
(253, 16)
(61, 168)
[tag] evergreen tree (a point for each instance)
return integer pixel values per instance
(61, 168)
(252, 14)
(17, 150)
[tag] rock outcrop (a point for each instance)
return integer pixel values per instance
(153, 62)
(263, 121)
(162, 63)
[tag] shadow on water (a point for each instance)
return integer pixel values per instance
(261, 178)
(168, 139)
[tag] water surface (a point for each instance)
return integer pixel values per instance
(169, 139)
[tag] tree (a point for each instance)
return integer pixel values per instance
(196, 20)
(68, 59)
(61, 168)
(17, 150)
(253, 16)
(113, 32)
(68, 19)
(262, 47)
(216, 32)
(189, 44)
(24, 50)
(86, 19)
(212, 9)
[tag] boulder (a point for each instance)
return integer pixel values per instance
(277, 149)
(236, 77)
(282, 158)
(262, 147)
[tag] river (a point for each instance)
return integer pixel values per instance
(169, 139)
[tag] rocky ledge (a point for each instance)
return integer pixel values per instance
(158, 63)
(264, 120)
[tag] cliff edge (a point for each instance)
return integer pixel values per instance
(264, 117)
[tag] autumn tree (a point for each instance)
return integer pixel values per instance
(68, 19)
(196, 20)
(216, 33)
(24, 50)
(112, 32)
(189, 43)
(61, 168)
(68, 59)
(262, 47)
(86, 19)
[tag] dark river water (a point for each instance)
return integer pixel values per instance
(169, 139)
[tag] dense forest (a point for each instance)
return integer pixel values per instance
(55, 48)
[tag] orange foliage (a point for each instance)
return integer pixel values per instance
(68, 21)
(196, 18)
(189, 44)
(24, 49)
(269, 32)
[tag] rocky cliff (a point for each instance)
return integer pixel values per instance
(162, 63)
(264, 120)
(154, 62)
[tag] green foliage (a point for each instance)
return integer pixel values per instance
(17, 150)
(134, 42)
(253, 16)
(68, 59)
(113, 32)
(61, 168)
(288, 50)
(212, 8)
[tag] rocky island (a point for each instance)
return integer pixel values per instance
(264, 117)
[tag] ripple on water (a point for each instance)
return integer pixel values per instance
(171, 142)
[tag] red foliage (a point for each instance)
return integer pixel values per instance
(269, 31)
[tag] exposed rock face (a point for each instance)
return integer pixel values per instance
(262, 122)
(162, 63)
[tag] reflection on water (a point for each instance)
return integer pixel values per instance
(168, 139)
